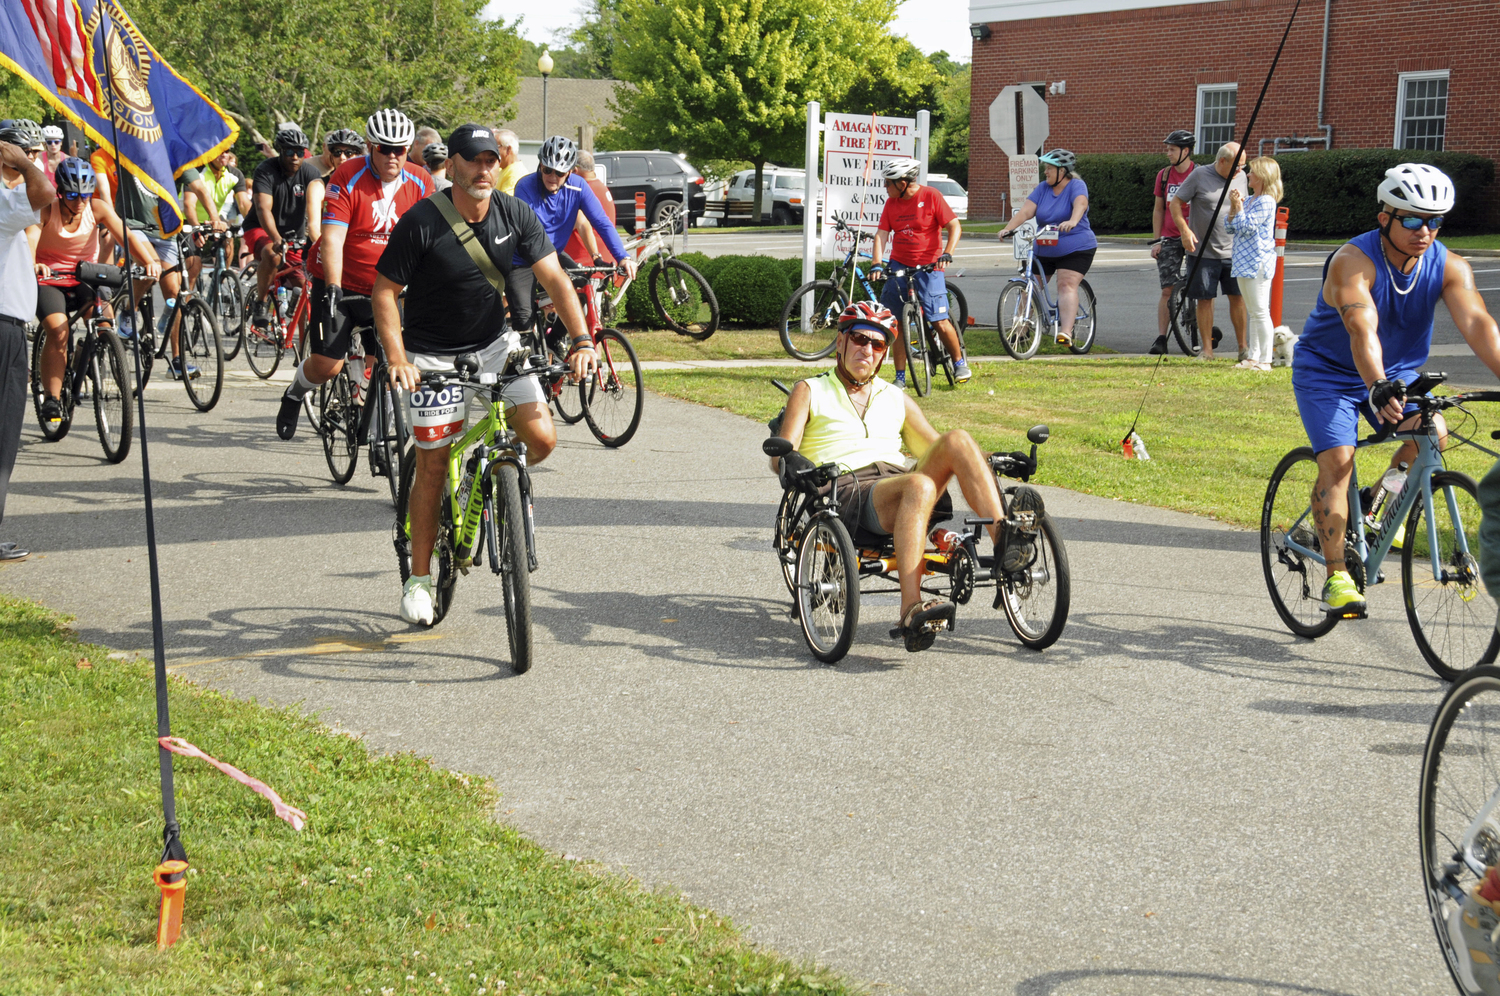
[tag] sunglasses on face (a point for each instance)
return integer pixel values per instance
(54, 141)
(856, 339)
(391, 150)
(343, 152)
(73, 195)
(292, 153)
(1412, 223)
(549, 171)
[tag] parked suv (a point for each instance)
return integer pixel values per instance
(657, 174)
(953, 192)
(781, 200)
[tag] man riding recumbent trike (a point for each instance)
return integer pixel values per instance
(852, 509)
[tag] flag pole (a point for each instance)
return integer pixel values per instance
(172, 849)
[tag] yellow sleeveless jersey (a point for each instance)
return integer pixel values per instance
(836, 434)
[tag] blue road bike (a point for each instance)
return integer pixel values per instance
(1452, 617)
(1027, 309)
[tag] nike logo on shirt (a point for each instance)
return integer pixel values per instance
(500, 239)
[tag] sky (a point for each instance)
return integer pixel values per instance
(930, 24)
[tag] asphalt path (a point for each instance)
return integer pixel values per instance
(1124, 281)
(1177, 798)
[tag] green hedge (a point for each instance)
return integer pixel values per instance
(751, 290)
(1327, 193)
(638, 309)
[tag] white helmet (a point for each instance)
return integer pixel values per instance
(389, 127)
(901, 169)
(1417, 187)
(52, 133)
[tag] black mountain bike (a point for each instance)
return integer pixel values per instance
(925, 350)
(1182, 315)
(351, 415)
(219, 286)
(199, 344)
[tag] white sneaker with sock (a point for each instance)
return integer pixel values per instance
(416, 600)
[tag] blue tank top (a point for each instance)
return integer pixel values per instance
(1324, 357)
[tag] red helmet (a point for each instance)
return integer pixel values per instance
(871, 315)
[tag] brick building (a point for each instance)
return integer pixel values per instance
(1399, 74)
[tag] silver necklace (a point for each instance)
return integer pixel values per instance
(1412, 281)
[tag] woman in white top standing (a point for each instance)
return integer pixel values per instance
(1253, 259)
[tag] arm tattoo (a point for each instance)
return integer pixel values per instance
(1345, 309)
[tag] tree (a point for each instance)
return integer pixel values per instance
(896, 80)
(950, 130)
(731, 78)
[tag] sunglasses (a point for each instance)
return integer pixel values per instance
(343, 152)
(1412, 223)
(292, 153)
(73, 195)
(391, 150)
(856, 339)
(549, 171)
(54, 141)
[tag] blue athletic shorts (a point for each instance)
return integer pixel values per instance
(932, 291)
(1331, 418)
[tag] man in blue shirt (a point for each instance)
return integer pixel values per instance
(558, 197)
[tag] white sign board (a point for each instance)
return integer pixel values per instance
(1025, 174)
(856, 148)
(1033, 120)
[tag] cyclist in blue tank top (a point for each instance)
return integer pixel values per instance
(1369, 332)
(558, 198)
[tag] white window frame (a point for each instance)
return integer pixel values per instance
(1401, 80)
(1198, 113)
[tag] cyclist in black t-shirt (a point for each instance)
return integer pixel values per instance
(279, 209)
(451, 308)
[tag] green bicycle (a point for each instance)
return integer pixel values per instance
(486, 507)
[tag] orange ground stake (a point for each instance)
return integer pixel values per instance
(171, 877)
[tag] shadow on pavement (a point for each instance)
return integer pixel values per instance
(1079, 982)
(1113, 531)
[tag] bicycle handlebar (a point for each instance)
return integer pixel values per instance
(445, 378)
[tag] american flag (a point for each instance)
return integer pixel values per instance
(59, 28)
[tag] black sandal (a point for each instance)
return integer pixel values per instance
(922, 621)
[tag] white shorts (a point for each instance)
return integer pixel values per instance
(438, 416)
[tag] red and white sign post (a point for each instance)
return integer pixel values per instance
(1281, 217)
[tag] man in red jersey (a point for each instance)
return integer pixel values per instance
(365, 197)
(577, 248)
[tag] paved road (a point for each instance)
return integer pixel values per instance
(1124, 280)
(1178, 798)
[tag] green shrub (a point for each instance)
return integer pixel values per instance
(639, 311)
(751, 290)
(1327, 193)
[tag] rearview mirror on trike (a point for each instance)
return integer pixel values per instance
(1038, 434)
(776, 446)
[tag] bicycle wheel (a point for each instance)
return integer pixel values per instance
(1452, 616)
(203, 348)
(613, 399)
(1291, 576)
(822, 301)
(442, 569)
(568, 399)
(263, 348)
(1019, 319)
(338, 425)
(113, 416)
(1087, 318)
(958, 309)
(788, 536)
(827, 589)
(385, 434)
(508, 557)
(919, 350)
(1036, 599)
(684, 300)
(1460, 780)
(1182, 317)
(51, 431)
(229, 309)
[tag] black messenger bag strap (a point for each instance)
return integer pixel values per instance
(470, 242)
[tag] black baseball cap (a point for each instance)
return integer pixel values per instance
(469, 140)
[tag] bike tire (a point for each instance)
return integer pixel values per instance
(824, 301)
(958, 309)
(827, 589)
(1459, 777)
(567, 398)
(1036, 605)
(385, 438)
(919, 351)
(509, 530)
(114, 417)
(683, 299)
(1452, 617)
(788, 538)
(1296, 596)
(442, 567)
(1019, 320)
(614, 397)
(338, 426)
(1086, 321)
(263, 348)
(50, 432)
(229, 307)
(200, 343)
(1182, 318)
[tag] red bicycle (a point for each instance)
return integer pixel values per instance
(288, 324)
(611, 399)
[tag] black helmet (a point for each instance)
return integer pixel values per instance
(345, 136)
(1181, 138)
(23, 132)
(290, 137)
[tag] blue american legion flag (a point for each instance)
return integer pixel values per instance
(88, 59)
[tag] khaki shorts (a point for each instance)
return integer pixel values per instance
(438, 416)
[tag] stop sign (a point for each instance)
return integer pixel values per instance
(1034, 127)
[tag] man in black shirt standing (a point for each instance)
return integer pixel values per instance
(452, 308)
(279, 209)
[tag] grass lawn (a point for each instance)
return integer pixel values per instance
(401, 882)
(765, 344)
(1214, 433)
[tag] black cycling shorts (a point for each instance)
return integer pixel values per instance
(54, 300)
(358, 315)
(1079, 262)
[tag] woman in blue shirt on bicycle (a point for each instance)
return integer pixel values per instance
(1062, 199)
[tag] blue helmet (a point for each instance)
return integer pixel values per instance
(75, 175)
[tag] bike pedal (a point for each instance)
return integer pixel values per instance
(1348, 613)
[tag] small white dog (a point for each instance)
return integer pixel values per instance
(1285, 344)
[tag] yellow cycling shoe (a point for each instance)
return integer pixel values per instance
(1342, 596)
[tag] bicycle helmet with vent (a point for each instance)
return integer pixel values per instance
(558, 153)
(345, 136)
(52, 133)
(1182, 138)
(435, 154)
(289, 138)
(74, 175)
(871, 315)
(389, 126)
(1417, 187)
(1061, 158)
(901, 169)
(21, 131)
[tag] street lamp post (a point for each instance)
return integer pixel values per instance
(544, 65)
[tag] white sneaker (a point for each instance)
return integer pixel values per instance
(416, 600)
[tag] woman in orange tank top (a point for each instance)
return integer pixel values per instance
(67, 236)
